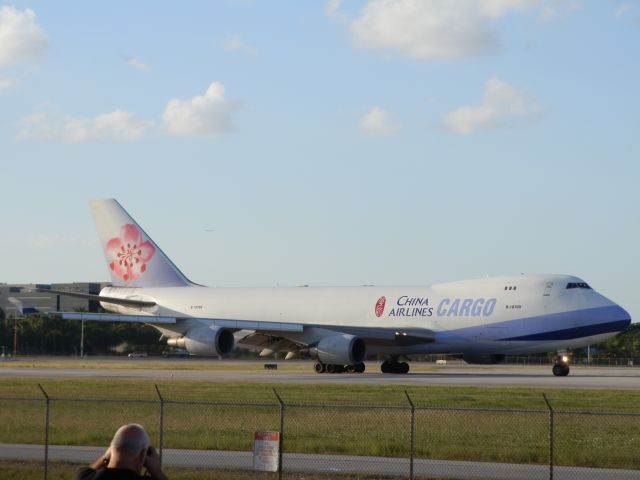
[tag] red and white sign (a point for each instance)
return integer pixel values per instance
(266, 446)
(380, 306)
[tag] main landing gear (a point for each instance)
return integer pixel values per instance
(561, 367)
(393, 366)
(320, 367)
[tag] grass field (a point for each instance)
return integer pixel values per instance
(462, 423)
(361, 394)
(61, 471)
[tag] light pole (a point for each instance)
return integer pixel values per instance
(15, 335)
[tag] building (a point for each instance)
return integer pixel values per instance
(46, 301)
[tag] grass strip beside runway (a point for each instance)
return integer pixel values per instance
(305, 393)
(337, 419)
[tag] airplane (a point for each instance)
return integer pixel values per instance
(480, 320)
(21, 308)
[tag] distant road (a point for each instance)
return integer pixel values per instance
(339, 464)
(422, 374)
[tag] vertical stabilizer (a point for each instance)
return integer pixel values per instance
(133, 259)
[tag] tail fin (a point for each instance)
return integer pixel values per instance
(21, 307)
(134, 260)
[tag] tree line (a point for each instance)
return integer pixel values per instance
(51, 335)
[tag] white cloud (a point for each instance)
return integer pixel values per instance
(6, 83)
(498, 8)
(435, 29)
(208, 114)
(428, 29)
(332, 10)
(20, 37)
(118, 125)
(137, 64)
(553, 9)
(500, 101)
(378, 122)
(235, 43)
(623, 9)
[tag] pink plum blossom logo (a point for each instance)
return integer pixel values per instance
(380, 306)
(128, 254)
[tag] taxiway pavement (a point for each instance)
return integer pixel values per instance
(495, 375)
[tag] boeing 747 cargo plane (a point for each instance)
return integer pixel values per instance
(480, 320)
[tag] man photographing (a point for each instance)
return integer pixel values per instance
(125, 458)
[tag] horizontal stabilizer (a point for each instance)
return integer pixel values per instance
(127, 302)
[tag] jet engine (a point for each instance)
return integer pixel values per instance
(341, 349)
(484, 359)
(205, 341)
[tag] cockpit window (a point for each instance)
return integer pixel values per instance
(578, 285)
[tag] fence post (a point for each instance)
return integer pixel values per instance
(551, 435)
(161, 423)
(46, 431)
(280, 442)
(412, 429)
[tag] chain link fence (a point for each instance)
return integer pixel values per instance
(49, 437)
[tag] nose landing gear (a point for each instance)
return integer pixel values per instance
(561, 367)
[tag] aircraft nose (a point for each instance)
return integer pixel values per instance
(623, 316)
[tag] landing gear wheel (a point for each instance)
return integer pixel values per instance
(560, 370)
(331, 368)
(394, 367)
(320, 367)
(358, 368)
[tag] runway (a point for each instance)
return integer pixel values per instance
(301, 373)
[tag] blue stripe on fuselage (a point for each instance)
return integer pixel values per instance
(588, 322)
(576, 332)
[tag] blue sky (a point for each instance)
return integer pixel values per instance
(390, 142)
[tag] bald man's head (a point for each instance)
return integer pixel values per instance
(130, 439)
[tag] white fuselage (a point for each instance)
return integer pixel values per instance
(519, 314)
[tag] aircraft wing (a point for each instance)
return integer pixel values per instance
(115, 317)
(266, 337)
(381, 336)
(268, 342)
(127, 302)
(154, 319)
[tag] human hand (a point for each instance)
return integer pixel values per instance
(102, 460)
(152, 464)
(106, 456)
